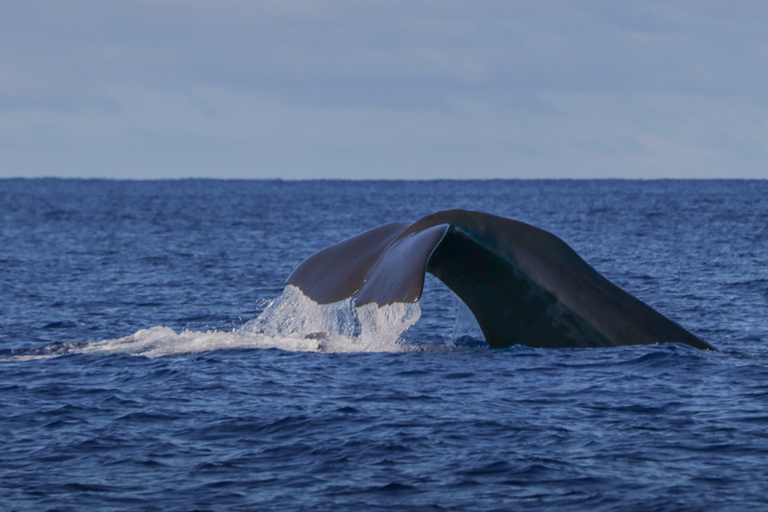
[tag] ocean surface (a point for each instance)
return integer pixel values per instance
(150, 358)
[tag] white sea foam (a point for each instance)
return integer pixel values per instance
(291, 322)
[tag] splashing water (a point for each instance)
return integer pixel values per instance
(338, 327)
(466, 330)
(291, 322)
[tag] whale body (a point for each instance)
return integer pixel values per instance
(524, 285)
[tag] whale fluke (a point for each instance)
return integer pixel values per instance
(523, 285)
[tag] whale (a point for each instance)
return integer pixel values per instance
(524, 285)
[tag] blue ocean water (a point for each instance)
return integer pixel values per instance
(148, 360)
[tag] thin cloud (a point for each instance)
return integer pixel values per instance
(383, 89)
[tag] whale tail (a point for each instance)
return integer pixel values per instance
(523, 285)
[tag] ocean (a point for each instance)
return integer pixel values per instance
(152, 359)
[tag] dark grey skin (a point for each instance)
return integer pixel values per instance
(523, 285)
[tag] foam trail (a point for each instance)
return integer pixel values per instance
(290, 322)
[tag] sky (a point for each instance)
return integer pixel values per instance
(390, 89)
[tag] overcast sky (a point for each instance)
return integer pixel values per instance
(384, 89)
